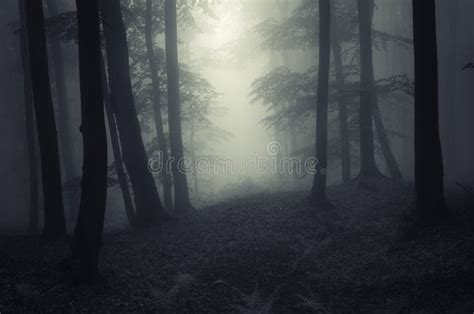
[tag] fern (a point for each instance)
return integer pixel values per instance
(311, 303)
(255, 303)
(169, 298)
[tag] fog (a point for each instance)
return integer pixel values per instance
(236, 156)
(225, 46)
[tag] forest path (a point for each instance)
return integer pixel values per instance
(266, 253)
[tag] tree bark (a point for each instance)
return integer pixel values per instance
(155, 82)
(90, 222)
(320, 178)
(368, 168)
(54, 222)
(429, 173)
(296, 171)
(147, 201)
(448, 66)
(64, 121)
(341, 99)
(182, 201)
(33, 226)
(114, 139)
(387, 152)
(193, 158)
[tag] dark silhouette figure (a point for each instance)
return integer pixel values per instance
(54, 222)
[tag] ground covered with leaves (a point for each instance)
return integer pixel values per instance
(267, 253)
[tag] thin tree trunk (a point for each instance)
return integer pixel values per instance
(294, 147)
(114, 139)
(182, 201)
(90, 222)
(147, 201)
(448, 14)
(319, 184)
(54, 222)
(33, 226)
(341, 99)
(64, 121)
(387, 152)
(368, 167)
(193, 157)
(155, 81)
(430, 202)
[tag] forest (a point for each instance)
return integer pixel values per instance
(237, 156)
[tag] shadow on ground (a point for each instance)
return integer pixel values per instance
(269, 253)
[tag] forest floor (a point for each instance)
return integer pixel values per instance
(263, 254)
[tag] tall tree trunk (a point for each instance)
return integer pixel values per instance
(114, 139)
(448, 20)
(90, 222)
(387, 152)
(64, 121)
(341, 98)
(54, 222)
(429, 173)
(193, 158)
(181, 193)
(155, 81)
(368, 167)
(33, 226)
(319, 184)
(294, 148)
(147, 201)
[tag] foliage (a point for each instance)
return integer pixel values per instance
(287, 95)
(300, 30)
(211, 260)
(291, 96)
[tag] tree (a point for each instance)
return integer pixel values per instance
(341, 99)
(368, 167)
(62, 107)
(199, 104)
(298, 32)
(387, 152)
(390, 160)
(90, 222)
(430, 203)
(33, 226)
(54, 222)
(115, 143)
(182, 201)
(319, 183)
(147, 201)
(155, 81)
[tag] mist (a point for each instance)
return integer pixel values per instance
(230, 137)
